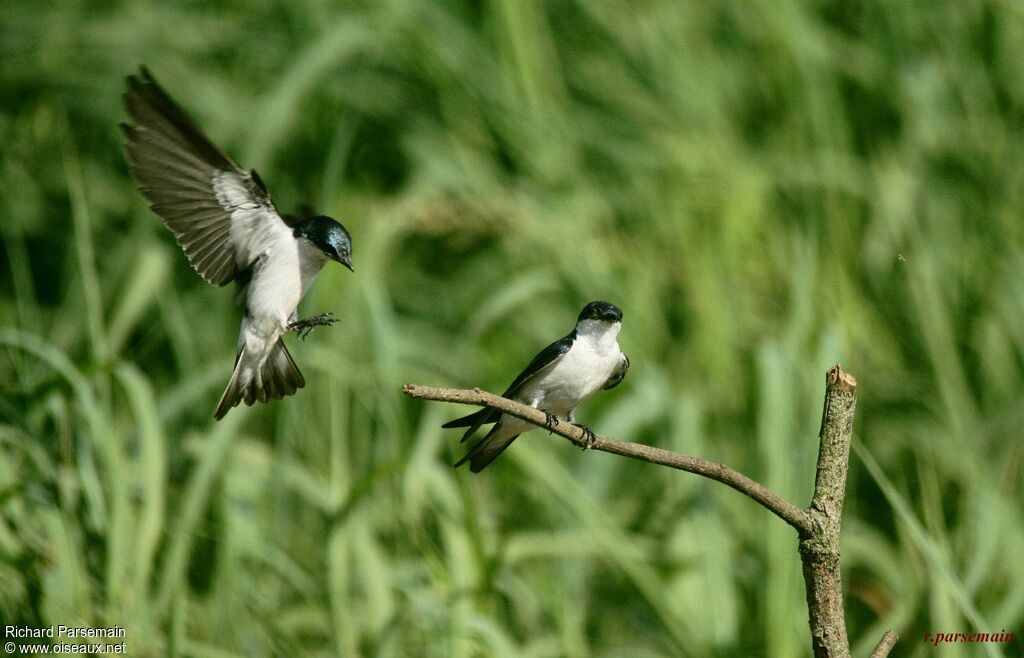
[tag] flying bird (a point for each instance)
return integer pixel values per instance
(230, 230)
(560, 378)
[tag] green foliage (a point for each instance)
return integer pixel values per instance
(765, 187)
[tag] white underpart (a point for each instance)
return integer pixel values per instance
(578, 374)
(283, 268)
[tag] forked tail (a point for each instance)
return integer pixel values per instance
(276, 378)
(487, 449)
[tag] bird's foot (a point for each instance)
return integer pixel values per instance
(589, 438)
(304, 326)
(550, 420)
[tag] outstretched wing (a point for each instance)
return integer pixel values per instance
(221, 215)
(540, 365)
(618, 374)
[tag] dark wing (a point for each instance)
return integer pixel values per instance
(213, 207)
(471, 419)
(618, 374)
(486, 450)
(542, 363)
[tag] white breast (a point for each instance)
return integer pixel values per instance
(285, 272)
(581, 372)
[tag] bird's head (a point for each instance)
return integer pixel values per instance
(328, 236)
(600, 320)
(601, 312)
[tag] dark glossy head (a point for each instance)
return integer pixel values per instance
(601, 311)
(329, 236)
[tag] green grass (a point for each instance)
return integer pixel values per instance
(764, 187)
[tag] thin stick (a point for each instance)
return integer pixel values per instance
(886, 645)
(772, 501)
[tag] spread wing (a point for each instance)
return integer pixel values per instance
(540, 365)
(618, 374)
(221, 215)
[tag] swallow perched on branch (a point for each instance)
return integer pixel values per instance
(559, 379)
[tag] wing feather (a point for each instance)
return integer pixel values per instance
(540, 365)
(618, 374)
(213, 207)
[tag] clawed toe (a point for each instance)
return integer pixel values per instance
(589, 438)
(303, 327)
(550, 421)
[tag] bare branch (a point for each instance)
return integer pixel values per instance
(886, 645)
(773, 502)
(818, 525)
(819, 549)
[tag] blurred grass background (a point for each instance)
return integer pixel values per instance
(765, 187)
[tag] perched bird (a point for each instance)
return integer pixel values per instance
(559, 379)
(230, 230)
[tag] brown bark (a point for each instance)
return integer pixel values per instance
(886, 644)
(819, 548)
(772, 501)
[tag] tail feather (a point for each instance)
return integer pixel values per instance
(486, 450)
(276, 378)
(473, 422)
(466, 421)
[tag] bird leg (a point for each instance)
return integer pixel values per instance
(304, 326)
(589, 438)
(550, 420)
